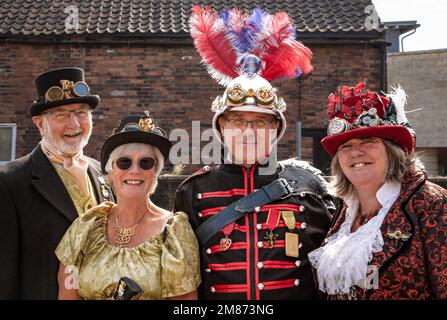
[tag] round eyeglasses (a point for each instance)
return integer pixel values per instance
(124, 163)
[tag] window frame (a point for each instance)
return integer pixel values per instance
(13, 140)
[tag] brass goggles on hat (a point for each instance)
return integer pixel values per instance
(264, 96)
(67, 90)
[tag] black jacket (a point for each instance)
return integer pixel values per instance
(250, 268)
(35, 212)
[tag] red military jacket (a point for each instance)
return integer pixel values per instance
(413, 261)
(240, 262)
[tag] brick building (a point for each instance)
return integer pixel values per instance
(138, 55)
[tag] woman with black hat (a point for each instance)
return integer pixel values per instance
(131, 249)
(388, 239)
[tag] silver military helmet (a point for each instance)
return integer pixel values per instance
(249, 93)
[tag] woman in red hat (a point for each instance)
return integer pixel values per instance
(388, 239)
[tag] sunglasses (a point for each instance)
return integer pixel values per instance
(124, 163)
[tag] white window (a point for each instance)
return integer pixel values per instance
(7, 142)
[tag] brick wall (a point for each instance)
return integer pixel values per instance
(171, 83)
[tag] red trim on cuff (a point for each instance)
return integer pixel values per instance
(230, 288)
(240, 228)
(223, 194)
(211, 211)
(285, 206)
(276, 244)
(282, 225)
(227, 266)
(276, 264)
(234, 246)
(280, 284)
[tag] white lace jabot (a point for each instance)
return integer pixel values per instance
(343, 261)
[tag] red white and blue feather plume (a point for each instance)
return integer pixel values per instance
(224, 39)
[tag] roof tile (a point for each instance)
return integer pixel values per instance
(154, 16)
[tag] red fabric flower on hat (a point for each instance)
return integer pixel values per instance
(346, 103)
(349, 102)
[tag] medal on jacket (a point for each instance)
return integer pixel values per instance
(272, 224)
(292, 239)
(225, 243)
(104, 191)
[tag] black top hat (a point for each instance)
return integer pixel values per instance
(135, 129)
(59, 87)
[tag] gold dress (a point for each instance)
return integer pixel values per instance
(162, 269)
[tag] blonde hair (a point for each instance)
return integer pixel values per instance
(399, 163)
(129, 148)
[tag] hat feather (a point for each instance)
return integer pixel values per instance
(399, 98)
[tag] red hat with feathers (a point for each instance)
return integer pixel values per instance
(357, 112)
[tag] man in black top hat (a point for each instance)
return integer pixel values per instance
(43, 192)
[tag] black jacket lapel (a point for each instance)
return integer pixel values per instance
(47, 182)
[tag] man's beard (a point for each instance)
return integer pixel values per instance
(61, 145)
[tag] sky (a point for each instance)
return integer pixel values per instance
(430, 14)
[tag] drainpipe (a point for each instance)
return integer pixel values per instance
(402, 40)
(383, 68)
(298, 132)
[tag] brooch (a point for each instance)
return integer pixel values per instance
(398, 234)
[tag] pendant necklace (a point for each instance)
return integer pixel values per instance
(123, 235)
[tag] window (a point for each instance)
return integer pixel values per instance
(7, 142)
(321, 158)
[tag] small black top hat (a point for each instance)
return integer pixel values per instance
(59, 87)
(135, 129)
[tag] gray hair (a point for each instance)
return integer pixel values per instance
(399, 163)
(129, 148)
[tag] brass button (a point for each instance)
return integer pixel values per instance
(207, 270)
(260, 265)
(297, 282)
(257, 209)
(200, 215)
(199, 196)
(297, 263)
(302, 208)
(259, 226)
(208, 251)
(212, 289)
(303, 225)
(260, 244)
(260, 286)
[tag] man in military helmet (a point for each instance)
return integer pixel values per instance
(263, 253)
